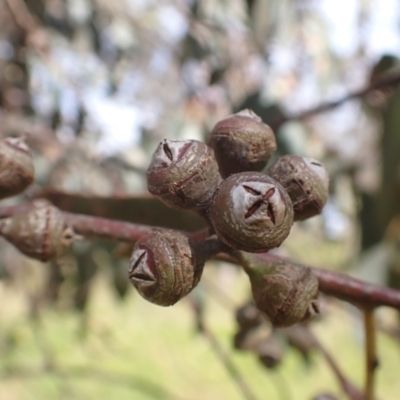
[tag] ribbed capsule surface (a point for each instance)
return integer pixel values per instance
(41, 233)
(306, 181)
(183, 173)
(250, 211)
(163, 267)
(242, 142)
(16, 167)
(287, 294)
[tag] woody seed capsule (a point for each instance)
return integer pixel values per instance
(287, 294)
(183, 173)
(242, 142)
(252, 212)
(163, 267)
(306, 181)
(41, 233)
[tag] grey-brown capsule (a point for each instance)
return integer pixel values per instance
(16, 167)
(306, 181)
(41, 233)
(183, 173)
(270, 351)
(248, 317)
(300, 338)
(287, 294)
(250, 339)
(242, 142)
(250, 211)
(163, 267)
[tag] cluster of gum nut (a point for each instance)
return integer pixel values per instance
(246, 209)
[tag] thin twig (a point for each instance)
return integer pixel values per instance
(21, 15)
(332, 283)
(352, 391)
(226, 302)
(104, 228)
(227, 362)
(345, 287)
(220, 352)
(370, 352)
(390, 80)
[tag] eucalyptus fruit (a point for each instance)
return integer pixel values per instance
(250, 211)
(242, 142)
(248, 317)
(251, 339)
(164, 267)
(270, 351)
(306, 181)
(183, 173)
(16, 167)
(41, 233)
(287, 294)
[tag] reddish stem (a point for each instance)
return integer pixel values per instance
(387, 81)
(352, 391)
(106, 228)
(335, 284)
(347, 288)
(101, 227)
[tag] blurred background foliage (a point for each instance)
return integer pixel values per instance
(94, 85)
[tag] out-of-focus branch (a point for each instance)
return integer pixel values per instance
(371, 360)
(117, 230)
(21, 15)
(101, 227)
(347, 288)
(391, 80)
(106, 228)
(341, 286)
(351, 391)
(220, 352)
(139, 209)
(230, 367)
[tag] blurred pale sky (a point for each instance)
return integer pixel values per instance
(75, 78)
(382, 31)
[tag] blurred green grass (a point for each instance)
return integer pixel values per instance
(135, 350)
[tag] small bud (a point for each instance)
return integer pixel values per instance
(41, 233)
(285, 293)
(306, 181)
(16, 167)
(250, 339)
(183, 173)
(163, 267)
(242, 142)
(300, 338)
(252, 212)
(270, 351)
(248, 317)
